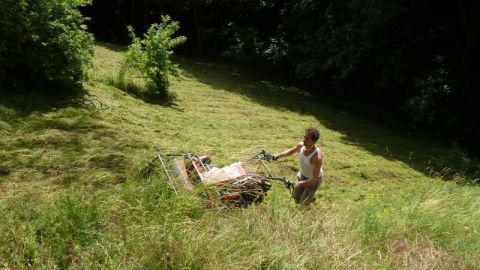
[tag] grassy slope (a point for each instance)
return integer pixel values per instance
(71, 197)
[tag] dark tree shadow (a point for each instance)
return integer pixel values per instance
(42, 99)
(112, 46)
(392, 141)
(141, 93)
(169, 101)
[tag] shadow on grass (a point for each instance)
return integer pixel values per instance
(418, 151)
(54, 146)
(141, 93)
(43, 100)
(149, 97)
(112, 46)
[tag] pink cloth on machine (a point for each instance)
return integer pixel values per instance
(217, 175)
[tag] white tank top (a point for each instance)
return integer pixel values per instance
(305, 165)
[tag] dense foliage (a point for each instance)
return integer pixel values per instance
(43, 44)
(151, 55)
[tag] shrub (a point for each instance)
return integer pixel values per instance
(151, 55)
(44, 43)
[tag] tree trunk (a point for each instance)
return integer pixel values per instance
(121, 26)
(197, 26)
(147, 13)
(469, 87)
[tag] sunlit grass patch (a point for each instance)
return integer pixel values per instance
(423, 227)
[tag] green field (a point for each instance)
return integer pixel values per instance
(71, 195)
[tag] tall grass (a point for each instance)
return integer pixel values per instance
(422, 227)
(123, 82)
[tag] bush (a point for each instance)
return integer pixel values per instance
(151, 55)
(43, 44)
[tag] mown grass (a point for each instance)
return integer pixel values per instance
(71, 195)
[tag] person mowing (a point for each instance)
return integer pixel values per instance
(310, 175)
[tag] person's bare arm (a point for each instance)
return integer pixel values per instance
(290, 151)
(316, 162)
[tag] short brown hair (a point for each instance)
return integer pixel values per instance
(313, 132)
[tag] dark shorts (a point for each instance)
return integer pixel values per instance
(305, 195)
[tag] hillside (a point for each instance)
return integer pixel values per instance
(71, 195)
